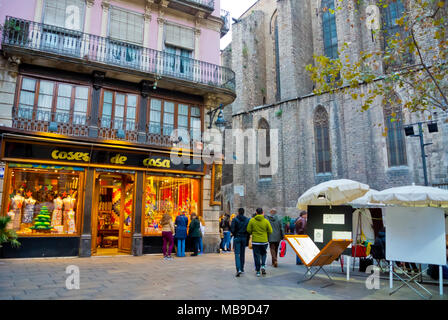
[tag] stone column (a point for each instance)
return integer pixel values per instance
(210, 212)
(137, 238)
(89, 5)
(85, 247)
(147, 17)
(161, 23)
(104, 19)
(38, 11)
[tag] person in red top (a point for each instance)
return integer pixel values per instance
(300, 227)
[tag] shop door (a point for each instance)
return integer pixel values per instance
(126, 214)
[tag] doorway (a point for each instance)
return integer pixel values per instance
(113, 214)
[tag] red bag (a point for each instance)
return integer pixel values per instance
(282, 248)
(358, 251)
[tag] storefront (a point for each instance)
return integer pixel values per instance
(70, 198)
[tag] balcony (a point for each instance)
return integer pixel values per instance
(193, 6)
(52, 46)
(80, 127)
(225, 17)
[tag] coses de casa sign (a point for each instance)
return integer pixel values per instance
(115, 159)
(49, 152)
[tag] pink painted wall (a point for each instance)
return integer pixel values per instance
(17, 8)
(209, 39)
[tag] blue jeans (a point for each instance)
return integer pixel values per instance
(260, 255)
(226, 241)
(181, 247)
(201, 245)
(239, 245)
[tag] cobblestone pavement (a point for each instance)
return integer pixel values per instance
(208, 276)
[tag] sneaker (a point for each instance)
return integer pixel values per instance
(242, 271)
(238, 274)
(258, 274)
(263, 270)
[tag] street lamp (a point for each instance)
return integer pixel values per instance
(409, 131)
(220, 121)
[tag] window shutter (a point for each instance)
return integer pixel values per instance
(126, 26)
(179, 37)
(56, 13)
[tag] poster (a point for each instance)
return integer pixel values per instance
(342, 235)
(319, 235)
(305, 247)
(215, 197)
(334, 219)
(415, 235)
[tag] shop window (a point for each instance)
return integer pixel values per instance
(44, 200)
(119, 111)
(169, 195)
(36, 101)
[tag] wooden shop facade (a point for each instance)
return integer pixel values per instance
(91, 166)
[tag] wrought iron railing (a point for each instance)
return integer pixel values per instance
(225, 16)
(59, 41)
(77, 125)
(209, 4)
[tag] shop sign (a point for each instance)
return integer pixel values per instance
(80, 154)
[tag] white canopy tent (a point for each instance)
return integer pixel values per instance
(332, 193)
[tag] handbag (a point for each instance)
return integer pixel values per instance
(364, 263)
(358, 251)
(282, 248)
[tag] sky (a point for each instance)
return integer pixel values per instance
(236, 9)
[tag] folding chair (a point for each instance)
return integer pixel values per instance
(407, 282)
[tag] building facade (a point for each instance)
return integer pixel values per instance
(320, 137)
(99, 100)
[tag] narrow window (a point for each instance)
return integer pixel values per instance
(322, 140)
(396, 145)
(264, 168)
(329, 30)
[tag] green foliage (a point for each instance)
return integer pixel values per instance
(7, 235)
(386, 70)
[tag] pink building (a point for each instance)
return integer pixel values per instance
(99, 96)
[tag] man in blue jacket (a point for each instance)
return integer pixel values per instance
(239, 232)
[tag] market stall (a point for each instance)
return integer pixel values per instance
(415, 229)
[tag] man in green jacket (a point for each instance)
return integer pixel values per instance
(259, 228)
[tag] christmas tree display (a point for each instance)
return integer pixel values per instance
(43, 220)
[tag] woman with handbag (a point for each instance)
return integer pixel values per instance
(167, 235)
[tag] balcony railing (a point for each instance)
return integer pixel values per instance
(209, 4)
(225, 16)
(29, 35)
(77, 125)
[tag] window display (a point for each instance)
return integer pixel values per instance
(169, 195)
(43, 199)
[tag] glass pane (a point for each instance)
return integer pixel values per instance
(119, 99)
(43, 202)
(119, 111)
(82, 93)
(27, 98)
(156, 104)
(107, 109)
(183, 109)
(130, 113)
(108, 96)
(169, 195)
(132, 100)
(29, 84)
(168, 107)
(182, 121)
(80, 105)
(195, 112)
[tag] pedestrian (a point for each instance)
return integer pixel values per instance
(194, 231)
(167, 235)
(201, 244)
(225, 226)
(300, 226)
(276, 236)
(259, 227)
(181, 224)
(238, 228)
